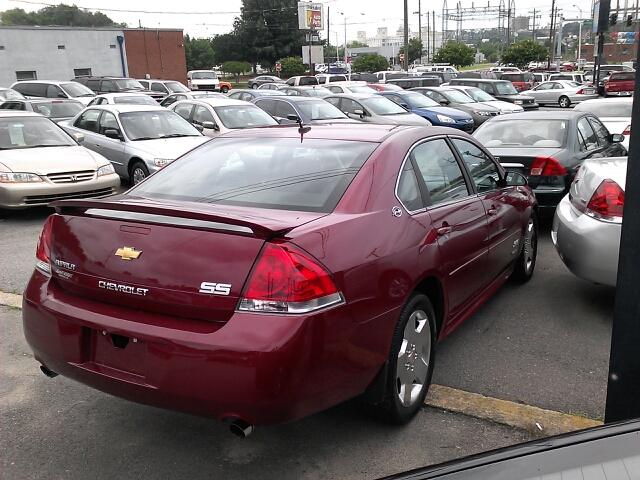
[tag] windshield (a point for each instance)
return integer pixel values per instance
(362, 89)
(156, 124)
(420, 101)
(176, 87)
(479, 95)
(129, 84)
(279, 173)
(10, 94)
(241, 116)
(203, 75)
(58, 109)
(32, 132)
(75, 89)
(457, 96)
(320, 110)
(137, 99)
(392, 88)
(505, 88)
(531, 133)
(383, 106)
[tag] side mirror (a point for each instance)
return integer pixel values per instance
(405, 106)
(112, 133)
(515, 179)
(62, 95)
(210, 126)
(616, 137)
(359, 112)
(293, 117)
(444, 102)
(78, 137)
(200, 128)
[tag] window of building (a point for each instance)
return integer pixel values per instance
(626, 51)
(60, 47)
(26, 75)
(1, 47)
(82, 72)
(112, 47)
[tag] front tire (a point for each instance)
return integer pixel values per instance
(526, 262)
(564, 101)
(139, 172)
(411, 362)
(224, 89)
(254, 86)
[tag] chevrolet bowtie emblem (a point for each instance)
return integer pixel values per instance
(128, 253)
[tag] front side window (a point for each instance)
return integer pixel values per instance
(320, 110)
(440, 171)
(108, 122)
(241, 116)
(202, 114)
(586, 136)
(108, 86)
(484, 171)
(158, 87)
(283, 109)
(184, 110)
(53, 91)
(88, 120)
(601, 131)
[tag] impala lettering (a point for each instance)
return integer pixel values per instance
(215, 288)
(118, 287)
(67, 265)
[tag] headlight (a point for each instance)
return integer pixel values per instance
(106, 170)
(11, 177)
(445, 119)
(518, 102)
(482, 113)
(161, 162)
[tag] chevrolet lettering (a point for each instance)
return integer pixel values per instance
(215, 288)
(123, 288)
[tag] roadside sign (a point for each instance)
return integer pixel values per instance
(278, 66)
(402, 57)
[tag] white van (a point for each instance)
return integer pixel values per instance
(203, 80)
(385, 75)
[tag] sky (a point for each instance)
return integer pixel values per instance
(205, 19)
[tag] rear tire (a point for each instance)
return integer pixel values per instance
(254, 86)
(411, 361)
(139, 172)
(526, 262)
(564, 101)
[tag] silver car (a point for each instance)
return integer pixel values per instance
(40, 163)
(374, 108)
(220, 115)
(131, 98)
(484, 98)
(137, 139)
(615, 113)
(588, 221)
(176, 97)
(562, 93)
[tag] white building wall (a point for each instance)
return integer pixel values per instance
(36, 49)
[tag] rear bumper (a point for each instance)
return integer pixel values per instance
(260, 368)
(621, 93)
(588, 247)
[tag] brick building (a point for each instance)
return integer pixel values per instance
(61, 53)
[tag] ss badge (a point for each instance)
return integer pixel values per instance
(215, 288)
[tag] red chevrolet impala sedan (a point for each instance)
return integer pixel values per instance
(269, 274)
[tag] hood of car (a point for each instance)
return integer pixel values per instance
(403, 119)
(448, 111)
(48, 160)
(170, 148)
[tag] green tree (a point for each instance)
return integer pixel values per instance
(227, 47)
(415, 49)
(292, 66)
(199, 53)
(235, 68)
(523, 52)
(457, 54)
(356, 44)
(369, 62)
(63, 15)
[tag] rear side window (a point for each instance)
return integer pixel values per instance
(93, 84)
(279, 173)
(308, 81)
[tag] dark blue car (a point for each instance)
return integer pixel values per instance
(431, 110)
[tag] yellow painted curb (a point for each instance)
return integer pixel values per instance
(533, 419)
(11, 300)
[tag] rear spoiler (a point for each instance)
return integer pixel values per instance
(149, 211)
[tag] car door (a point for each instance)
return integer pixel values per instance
(588, 140)
(458, 218)
(111, 148)
(184, 110)
(542, 92)
(609, 148)
(202, 114)
(502, 205)
(87, 124)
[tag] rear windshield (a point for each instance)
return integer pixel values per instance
(505, 88)
(58, 109)
(531, 133)
(517, 77)
(606, 108)
(623, 76)
(278, 173)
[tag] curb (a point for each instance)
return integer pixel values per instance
(536, 420)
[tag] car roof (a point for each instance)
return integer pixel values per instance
(538, 115)
(47, 100)
(126, 108)
(356, 96)
(214, 101)
(18, 113)
(295, 99)
(55, 82)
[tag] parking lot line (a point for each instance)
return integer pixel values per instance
(533, 419)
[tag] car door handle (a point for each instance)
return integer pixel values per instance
(444, 230)
(493, 210)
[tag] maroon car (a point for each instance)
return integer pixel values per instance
(268, 275)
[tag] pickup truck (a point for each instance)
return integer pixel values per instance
(620, 84)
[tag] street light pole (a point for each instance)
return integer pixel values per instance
(345, 34)
(579, 36)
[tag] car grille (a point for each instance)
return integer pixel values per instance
(42, 199)
(468, 127)
(528, 102)
(493, 114)
(72, 177)
(208, 87)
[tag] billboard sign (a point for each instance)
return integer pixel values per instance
(310, 16)
(601, 12)
(316, 52)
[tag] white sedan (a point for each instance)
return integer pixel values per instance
(588, 221)
(615, 113)
(129, 98)
(562, 93)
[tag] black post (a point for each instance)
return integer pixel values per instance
(623, 389)
(596, 74)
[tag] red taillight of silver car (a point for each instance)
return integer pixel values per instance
(607, 202)
(287, 280)
(43, 250)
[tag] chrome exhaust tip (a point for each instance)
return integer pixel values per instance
(240, 428)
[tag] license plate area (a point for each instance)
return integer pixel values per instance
(119, 352)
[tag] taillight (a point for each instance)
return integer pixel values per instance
(287, 280)
(580, 92)
(547, 166)
(43, 250)
(627, 131)
(607, 201)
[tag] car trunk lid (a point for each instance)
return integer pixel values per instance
(169, 258)
(521, 159)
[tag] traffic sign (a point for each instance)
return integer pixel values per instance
(278, 66)
(402, 57)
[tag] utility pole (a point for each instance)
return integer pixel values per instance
(434, 33)
(405, 62)
(420, 26)
(551, 33)
(533, 26)
(328, 40)
(428, 35)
